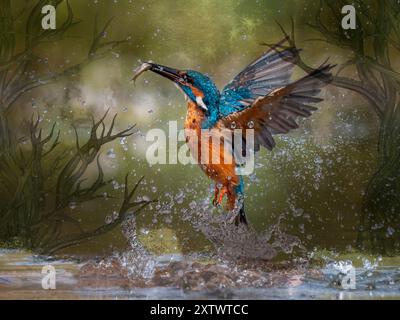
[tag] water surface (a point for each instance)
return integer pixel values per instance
(20, 278)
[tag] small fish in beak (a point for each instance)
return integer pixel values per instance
(169, 73)
(141, 69)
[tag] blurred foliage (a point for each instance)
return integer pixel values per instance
(372, 44)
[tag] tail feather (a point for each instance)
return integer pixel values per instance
(241, 216)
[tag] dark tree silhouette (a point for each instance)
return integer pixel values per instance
(37, 192)
(16, 76)
(38, 181)
(371, 46)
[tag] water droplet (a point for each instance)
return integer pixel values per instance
(115, 185)
(123, 143)
(115, 215)
(253, 178)
(298, 212)
(108, 219)
(192, 205)
(179, 197)
(259, 165)
(111, 154)
(318, 160)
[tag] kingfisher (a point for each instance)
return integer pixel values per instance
(261, 97)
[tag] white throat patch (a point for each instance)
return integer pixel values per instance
(200, 103)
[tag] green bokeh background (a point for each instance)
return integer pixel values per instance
(315, 177)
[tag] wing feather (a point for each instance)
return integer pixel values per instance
(276, 113)
(270, 71)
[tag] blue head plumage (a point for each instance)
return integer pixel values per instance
(202, 84)
(198, 87)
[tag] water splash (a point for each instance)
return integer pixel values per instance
(237, 242)
(137, 260)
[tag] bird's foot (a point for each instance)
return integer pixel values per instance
(238, 219)
(234, 219)
(216, 192)
(219, 195)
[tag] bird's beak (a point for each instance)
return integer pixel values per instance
(178, 76)
(169, 73)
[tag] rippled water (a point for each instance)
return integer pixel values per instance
(20, 278)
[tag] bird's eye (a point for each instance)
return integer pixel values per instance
(184, 76)
(189, 79)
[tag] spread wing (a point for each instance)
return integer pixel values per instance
(276, 112)
(270, 71)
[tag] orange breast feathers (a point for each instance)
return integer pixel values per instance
(207, 148)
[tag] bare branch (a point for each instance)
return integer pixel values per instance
(35, 36)
(342, 82)
(86, 236)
